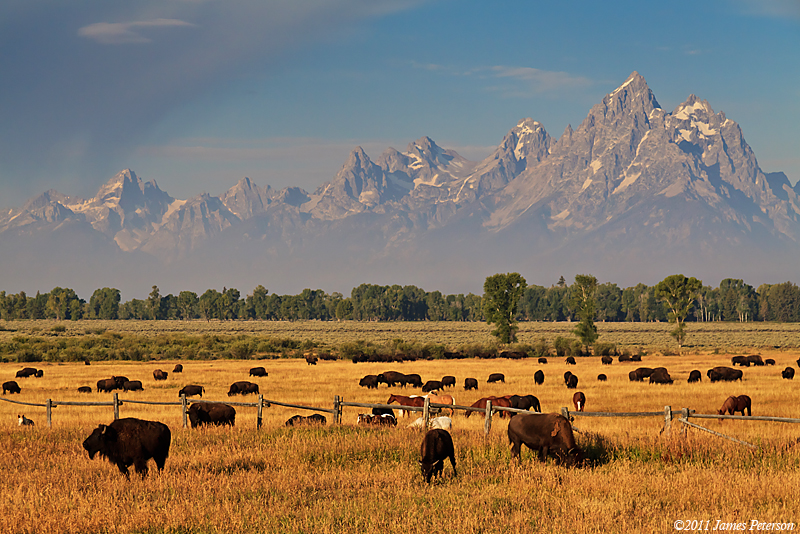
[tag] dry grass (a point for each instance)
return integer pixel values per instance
(347, 479)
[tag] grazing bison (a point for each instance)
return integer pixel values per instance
(695, 376)
(756, 360)
(566, 377)
(131, 441)
(158, 374)
(211, 413)
(432, 385)
(390, 378)
(437, 445)
(258, 371)
(740, 360)
(570, 360)
(636, 358)
(369, 382)
(496, 377)
(311, 359)
(120, 380)
(523, 402)
(725, 374)
(579, 401)
(24, 421)
(178, 368)
(538, 377)
(242, 388)
(769, 361)
(191, 391)
(601, 377)
(546, 434)
(624, 358)
(470, 383)
(788, 373)
(542, 360)
(572, 383)
(39, 373)
(314, 419)
(414, 380)
(84, 389)
(448, 381)
(660, 376)
(25, 373)
(735, 404)
(12, 387)
(132, 385)
(107, 385)
(606, 360)
(638, 375)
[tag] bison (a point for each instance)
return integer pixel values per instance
(120, 380)
(158, 374)
(601, 377)
(132, 385)
(178, 368)
(725, 374)
(437, 445)
(242, 388)
(211, 413)
(538, 377)
(566, 377)
(735, 404)
(390, 378)
(756, 360)
(11, 386)
(369, 382)
(769, 361)
(432, 385)
(788, 373)
(542, 360)
(25, 373)
(414, 380)
(606, 360)
(570, 360)
(131, 441)
(191, 390)
(572, 383)
(695, 376)
(106, 384)
(660, 376)
(546, 434)
(523, 402)
(470, 383)
(624, 358)
(311, 359)
(448, 381)
(638, 375)
(496, 377)
(84, 389)
(259, 372)
(579, 401)
(741, 360)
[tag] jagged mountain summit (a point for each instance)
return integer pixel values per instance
(634, 192)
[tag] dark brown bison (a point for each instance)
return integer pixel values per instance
(725, 374)
(437, 445)
(579, 401)
(191, 390)
(546, 434)
(107, 385)
(369, 382)
(470, 383)
(788, 373)
(84, 389)
(523, 402)
(12, 387)
(448, 381)
(735, 404)
(311, 359)
(130, 441)
(542, 360)
(39, 373)
(756, 360)
(242, 388)
(638, 375)
(572, 383)
(178, 368)
(120, 380)
(496, 377)
(606, 360)
(313, 419)
(660, 375)
(211, 413)
(414, 380)
(158, 374)
(624, 358)
(601, 377)
(132, 385)
(25, 373)
(740, 360)
(432, 385)
(390, 378)
(566, 377)
(769, 361)
(695, 376)
(538, 377)
(258, 371)
(570, 360)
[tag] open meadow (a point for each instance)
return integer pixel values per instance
(351, 479)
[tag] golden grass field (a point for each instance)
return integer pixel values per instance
(348, 479)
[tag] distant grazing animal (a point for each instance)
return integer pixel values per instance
(191, 390)
(542, 360)
(107, 385)
(448, 381)
(390, 378)
(756, 360)
(369, 382)
(211, 413)
(242, 388)
(443, 399)
(158, 374)
(523, 402)
(12, 387)
(769, 361)
(570, 360)
(39, 373)
(660, 376)
(624, 358)
(501, 402)
(120, 380)
(313, 419)
(638, 375)
(86, 362)
(311, 359)
(538, 377)
(407, 401)
(572, 383)
(725, 374)
(741, 360)
(258, 371)
(636, 358)
(579, 401)
(606, 360)
(470, 383)
(601, 377)
(24, 421)
(132, 385)
(84, 389)
(695, 376)
(735, 404)
(566, 377)
(25, 373)
(131, 441)
(496, 377)
(546, 434)
(178, 368)
(414, 380)
(437, 445)
(432, 385)
(788, 373)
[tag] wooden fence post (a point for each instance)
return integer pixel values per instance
(487, 425)
(260, 410)
(667, 421)
(49, 413)
(565, 412)
(426, 412)
(685, 417)
(184, 407)
(337, 410)
(116, 407)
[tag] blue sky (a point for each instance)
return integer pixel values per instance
(199, 93)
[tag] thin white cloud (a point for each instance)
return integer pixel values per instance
(127, 32)
(541, 81)
(781, 9)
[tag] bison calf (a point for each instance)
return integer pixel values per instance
(131, 441)
(437, 445)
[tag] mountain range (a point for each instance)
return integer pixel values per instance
(633, 194)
